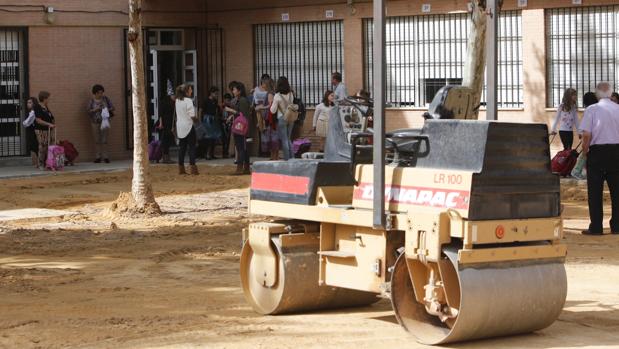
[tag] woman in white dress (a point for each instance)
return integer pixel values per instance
(321, 117)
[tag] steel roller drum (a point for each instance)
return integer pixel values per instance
(496, 300)
(297, 288)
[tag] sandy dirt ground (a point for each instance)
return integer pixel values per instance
(93, 280)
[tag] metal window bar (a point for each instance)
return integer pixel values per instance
(582, 50)
(305, 52)
(427, 52)
(213, 39)
(12, 92)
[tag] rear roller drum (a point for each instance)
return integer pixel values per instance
(296, 288)
(493, 300)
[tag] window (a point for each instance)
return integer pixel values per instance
(582, 49)
(307, 53)
(424, 52)
(12, 92)
(433, 85)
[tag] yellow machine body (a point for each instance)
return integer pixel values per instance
(449, 278)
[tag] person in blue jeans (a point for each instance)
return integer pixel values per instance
(283, 98)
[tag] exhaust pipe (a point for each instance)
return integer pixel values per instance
(379, 65)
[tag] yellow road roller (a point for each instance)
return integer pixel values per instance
(457, 222)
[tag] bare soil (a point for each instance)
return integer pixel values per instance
(95, 280)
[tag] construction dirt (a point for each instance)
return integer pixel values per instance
(90, 279)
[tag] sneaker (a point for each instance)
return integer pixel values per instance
(588, 232)
(97, 160)
(107, 161)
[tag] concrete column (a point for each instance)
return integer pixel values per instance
(353, 53)
(534, 65)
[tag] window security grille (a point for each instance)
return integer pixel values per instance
(12, 134)
(307, 53)
(582, 50)
(422, 51)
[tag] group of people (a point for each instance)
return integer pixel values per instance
(40, 125)
(599, 131)
(40, 128)
(262, 111)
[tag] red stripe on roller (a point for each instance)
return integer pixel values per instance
(278, 183)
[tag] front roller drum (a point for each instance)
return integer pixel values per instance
(296, 288)
(495, 300)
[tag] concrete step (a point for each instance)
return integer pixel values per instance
(15, 161)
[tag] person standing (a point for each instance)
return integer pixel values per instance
(263, 98)
(567, 118)
(45, 122)
(212, 122)
(321, 117)
(341, 93)
(588, 99)
(100, 110)
(283, 98)
(166, 125)
(226, 126)
(32, 145)
(600, 127)
(185, 131)
(242, 106)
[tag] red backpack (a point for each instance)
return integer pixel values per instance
(70, 152)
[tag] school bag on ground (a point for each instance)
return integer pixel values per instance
(55, 154)
(301, 146)
(70, 152)
(155, 153)
(564, 161)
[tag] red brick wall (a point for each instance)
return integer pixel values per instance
(67, 61)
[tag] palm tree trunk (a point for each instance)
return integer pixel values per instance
(141, 187)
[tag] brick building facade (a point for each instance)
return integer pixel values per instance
(82, 43)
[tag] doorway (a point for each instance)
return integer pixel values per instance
(12, 92)
(170, 63)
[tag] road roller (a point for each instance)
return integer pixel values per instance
(457, 222)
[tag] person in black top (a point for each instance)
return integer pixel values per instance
(165, 126)
(212, 122)
(44, 124)
(32, 145)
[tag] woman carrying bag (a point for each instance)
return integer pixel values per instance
(282, 106)
(185, 131)
(242, 127)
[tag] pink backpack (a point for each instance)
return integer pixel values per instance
(240, 126)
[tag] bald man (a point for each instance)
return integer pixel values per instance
(600, 127)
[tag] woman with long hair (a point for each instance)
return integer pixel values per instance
(321, 117)
(283, 98)
(242, 106)
(185, 131)
(263, 98)
(567, 118)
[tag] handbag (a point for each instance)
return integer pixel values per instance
(240, 126)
